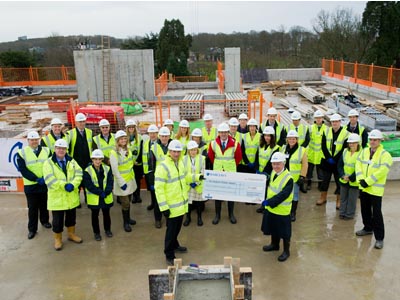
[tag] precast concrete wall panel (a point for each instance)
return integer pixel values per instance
(306, 74)
(232, 70)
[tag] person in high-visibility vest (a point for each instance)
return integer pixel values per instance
(314, 152)
(372, 168)
(225, 154)
(121, 161)
(99, 181)
(195, 164)
(280, 131)
(267, 148)
(63, 176)
(296, 164)
(135, 143)
(183, 134)
(209, 131)
(347, 174)
(276, 219)
(301, 129)
(54, 134)
(233, 130)
(354, 127)
(105, 141)
(30, 161)
(333, 142)
(171, 188)
(197, 136)
(169, 123)
(249, 146)
(242, 127)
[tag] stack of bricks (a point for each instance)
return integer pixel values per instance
(236, 104)
(192, 106)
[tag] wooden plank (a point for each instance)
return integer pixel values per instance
(227, 261)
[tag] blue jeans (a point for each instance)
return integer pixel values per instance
(296, 189)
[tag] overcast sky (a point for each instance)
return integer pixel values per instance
(130, 18)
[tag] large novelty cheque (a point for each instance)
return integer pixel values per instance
(239, 187)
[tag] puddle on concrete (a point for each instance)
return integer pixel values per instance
(204, 289)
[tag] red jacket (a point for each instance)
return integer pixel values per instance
(231, 143)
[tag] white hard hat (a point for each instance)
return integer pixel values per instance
(223, 127)
(243, 117)
(233, 122)
(353, 113)
(293, 133)
(184, 123)
(119, 134)
(168, 122)
(208, 117)
(152, 128)
(61, 143)
(272, 111)
(295, 115)
(33, 135)
(130, 122)
(318, 114)
(269, 130)
(252, 122)
(175, 145)
(104, 122)
(278, 157)
(164, 131)
(56, 121)
(192, 145)
(197, 132)
(97, 154)
(353, 138)
(80, 117)
(375, 134)
(336, 117)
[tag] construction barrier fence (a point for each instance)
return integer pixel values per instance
(383, 78)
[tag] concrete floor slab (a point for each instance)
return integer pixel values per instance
(327, 260)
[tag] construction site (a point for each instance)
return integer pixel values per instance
(327, 259)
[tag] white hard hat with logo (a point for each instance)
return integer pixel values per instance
(252, 122)
(272, 111)
(61, 143)
(192, 145)
(164, 131)
(80, 117)
(353, 113)
(278, 157)
(175, 145)
(97, 154)
(152, 128)
(318, 114)
(375, 134)
(104, 122)
(354, 138)
(295, 115)
(208, 117)
(130, 122)
(168, 122)
(223, 127)
(336, 117)
(243, 117)
(33, 135)
(197, 132)
(184, 123)
(269, 130)
(233, 122)
(119, 134)
(293, 133)
(56, 121)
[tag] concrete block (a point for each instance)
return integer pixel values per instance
(232, 69)
(305, 74)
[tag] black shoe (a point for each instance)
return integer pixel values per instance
(341, 217)
(187, 221)
(293, 217)
(232, 219)
(308, 187)
(139, 200)
(150, 207)
(216, 220)
(170, 261)
(97, 237)
(199, 222)
(134, 200)
(109, 233)
(132, 222)
(284, 256)
(118, 200)
(260, 210)
(181, 249)
(31, 235)
(378, 244)
(363, 232)
(46, 225)
(158, 224)
(127, 227)
(347, 218)
(270, 247)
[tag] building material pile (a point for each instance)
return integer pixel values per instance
(384, 105)
(193, 107)
(17, 114)
(236, 104)
(311, 94)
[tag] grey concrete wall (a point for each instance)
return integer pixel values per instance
(232, 70)
(304, 74)
(132, 72)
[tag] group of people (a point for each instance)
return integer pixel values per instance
(56, 166)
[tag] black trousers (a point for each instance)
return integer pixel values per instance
(138, 178)
(58, 219)
(371, 212)
(326, 178)
(37, 208)
(157, 213)
(174, 226)
(310, 171)
(106, 219)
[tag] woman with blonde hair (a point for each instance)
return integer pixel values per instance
(183, 134)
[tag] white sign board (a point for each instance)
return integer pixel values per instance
(8, 156)
(239, 187)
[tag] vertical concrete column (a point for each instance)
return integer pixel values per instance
(232, 70)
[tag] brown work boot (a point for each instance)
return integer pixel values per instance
(337, 202)
(322, 199)
(58, 241)
(72, 236)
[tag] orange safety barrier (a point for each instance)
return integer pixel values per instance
(161, 84)
(383, 78)
(37, 76)
(191, 78)
(221, 78)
